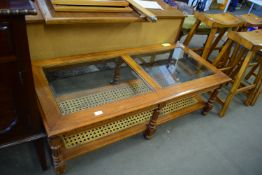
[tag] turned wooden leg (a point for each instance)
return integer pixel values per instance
(151, 127)
(116, 73)
(58, 161)
(209, 105)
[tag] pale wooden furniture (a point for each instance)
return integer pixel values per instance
(219, 23)
(236, 63)
(251, 20)
(58, 34)
(92, 100)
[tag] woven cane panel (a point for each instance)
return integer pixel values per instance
(177, 105)
(112, 94)
(84, 137)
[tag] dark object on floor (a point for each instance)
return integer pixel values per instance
(19, 117)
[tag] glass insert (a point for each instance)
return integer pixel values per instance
(86, 85)
(171, 67)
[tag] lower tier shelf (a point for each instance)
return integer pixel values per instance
(76, 143)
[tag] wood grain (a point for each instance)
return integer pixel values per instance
(91, 2)
(64, 8)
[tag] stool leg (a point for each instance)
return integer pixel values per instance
(253, 96)
(254, 100)
(222, 52)
(191, 32)
(218, 38)
(251, 72)
(235, 61)
(209, 42)
(236, 83)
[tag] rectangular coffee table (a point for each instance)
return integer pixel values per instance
(90, 101)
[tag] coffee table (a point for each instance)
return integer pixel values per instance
(90, 101)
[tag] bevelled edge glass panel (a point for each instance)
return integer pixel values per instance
(171, 67)
(87, 85)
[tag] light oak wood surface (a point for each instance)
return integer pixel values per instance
(120, 3)
(95, 9)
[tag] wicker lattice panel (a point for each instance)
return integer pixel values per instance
(177, 105)
(112, 94)
(84, 137)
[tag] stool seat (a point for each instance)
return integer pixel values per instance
(219, 20)
(251, 20)
(251, 40)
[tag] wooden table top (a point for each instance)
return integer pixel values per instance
(51, 17)
(56, 123)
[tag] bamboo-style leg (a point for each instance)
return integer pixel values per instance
(151, 127)
(222, 52)
(58, 161)
(191, 32)
(208, 45)
(116, 76)
(218, 38)
(236, 83)
(209, 105)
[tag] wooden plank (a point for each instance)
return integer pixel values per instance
(91, 2)
(152, 17)
(65, 8)
(140, 71)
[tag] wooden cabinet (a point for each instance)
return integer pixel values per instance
(19, 117)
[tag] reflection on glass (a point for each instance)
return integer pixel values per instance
(171, 67)
(83, 86)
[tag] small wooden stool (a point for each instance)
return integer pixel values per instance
(219, 23)
(236, 63)
(250, 20)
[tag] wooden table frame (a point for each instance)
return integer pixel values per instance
(57, 125)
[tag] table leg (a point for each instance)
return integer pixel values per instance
(116, 76)
(151, 127)
(210, 102)
(58, 161)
